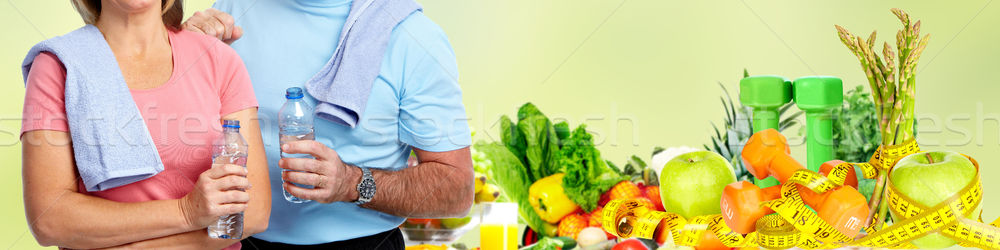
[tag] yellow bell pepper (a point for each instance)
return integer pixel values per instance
(549, 200)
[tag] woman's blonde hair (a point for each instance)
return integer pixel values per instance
(90, 11)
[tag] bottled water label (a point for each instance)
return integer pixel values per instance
(290, 135)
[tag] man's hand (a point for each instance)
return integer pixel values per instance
(215, 23)
(444, 181)
(332, 180)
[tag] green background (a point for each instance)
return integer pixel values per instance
(640, 73)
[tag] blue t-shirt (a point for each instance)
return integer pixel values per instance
(415, 102)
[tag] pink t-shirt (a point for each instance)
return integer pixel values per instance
(182, 115)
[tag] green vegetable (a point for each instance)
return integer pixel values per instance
(634, 166)
(893, 87)
(562, 130)
(855, 127)
(510, 174)
(567, 242)
(587, 175)
(636, 170)
(614, 167)
(548, 243)
(533, 148)
(512, 138)
(533, 140)
(856, 133)
(543, 145)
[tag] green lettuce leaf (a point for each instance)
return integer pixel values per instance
(512, 138)
(513, 178)
(562, 130)
(587, 175)
(543, 146)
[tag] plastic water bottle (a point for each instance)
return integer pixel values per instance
(295, 123)
(231, 148)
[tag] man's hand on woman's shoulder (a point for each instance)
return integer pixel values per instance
(215, 23)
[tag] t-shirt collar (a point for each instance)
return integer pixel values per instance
(323, 3)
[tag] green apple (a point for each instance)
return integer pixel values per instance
(691, 184)
(452, 223)
(929, 178)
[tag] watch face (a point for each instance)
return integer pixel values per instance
(366, 189)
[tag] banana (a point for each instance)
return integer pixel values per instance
(489, 193)
(480, 181)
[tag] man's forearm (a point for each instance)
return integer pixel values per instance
(440, 186)
(428, 190)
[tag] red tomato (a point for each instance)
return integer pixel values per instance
(630, 244)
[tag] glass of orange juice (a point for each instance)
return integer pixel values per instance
(498, 226)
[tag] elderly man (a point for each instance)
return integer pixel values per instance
(407, 99)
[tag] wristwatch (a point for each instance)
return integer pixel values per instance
(366, 188)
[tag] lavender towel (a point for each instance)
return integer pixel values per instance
(342, 87)
(111, 144)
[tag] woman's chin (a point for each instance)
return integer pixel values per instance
(135, 6)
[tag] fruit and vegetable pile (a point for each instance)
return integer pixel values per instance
(824, 209)
(559, 179)
(745, 189)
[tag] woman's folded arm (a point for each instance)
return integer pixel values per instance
(259, 208)
(59, 215)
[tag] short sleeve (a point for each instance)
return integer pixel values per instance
(236, 91)
(431, 114)
(44, 97)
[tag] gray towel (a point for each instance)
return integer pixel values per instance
(342, 87)
(111, 143)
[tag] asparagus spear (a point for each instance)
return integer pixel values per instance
(893, 89)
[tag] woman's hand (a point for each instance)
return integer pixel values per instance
(219, 191)
(215, 23)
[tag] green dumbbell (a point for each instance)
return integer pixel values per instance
(818, 96)
(765, 94)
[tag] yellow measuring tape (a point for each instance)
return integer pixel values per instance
(949, 218)
(630, 218)
(794, 225)
(885, 157)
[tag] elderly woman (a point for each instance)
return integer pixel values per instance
(182, 85)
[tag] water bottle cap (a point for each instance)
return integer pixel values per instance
(293, 93)
(231, 124)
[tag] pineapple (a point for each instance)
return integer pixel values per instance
(728, 141)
